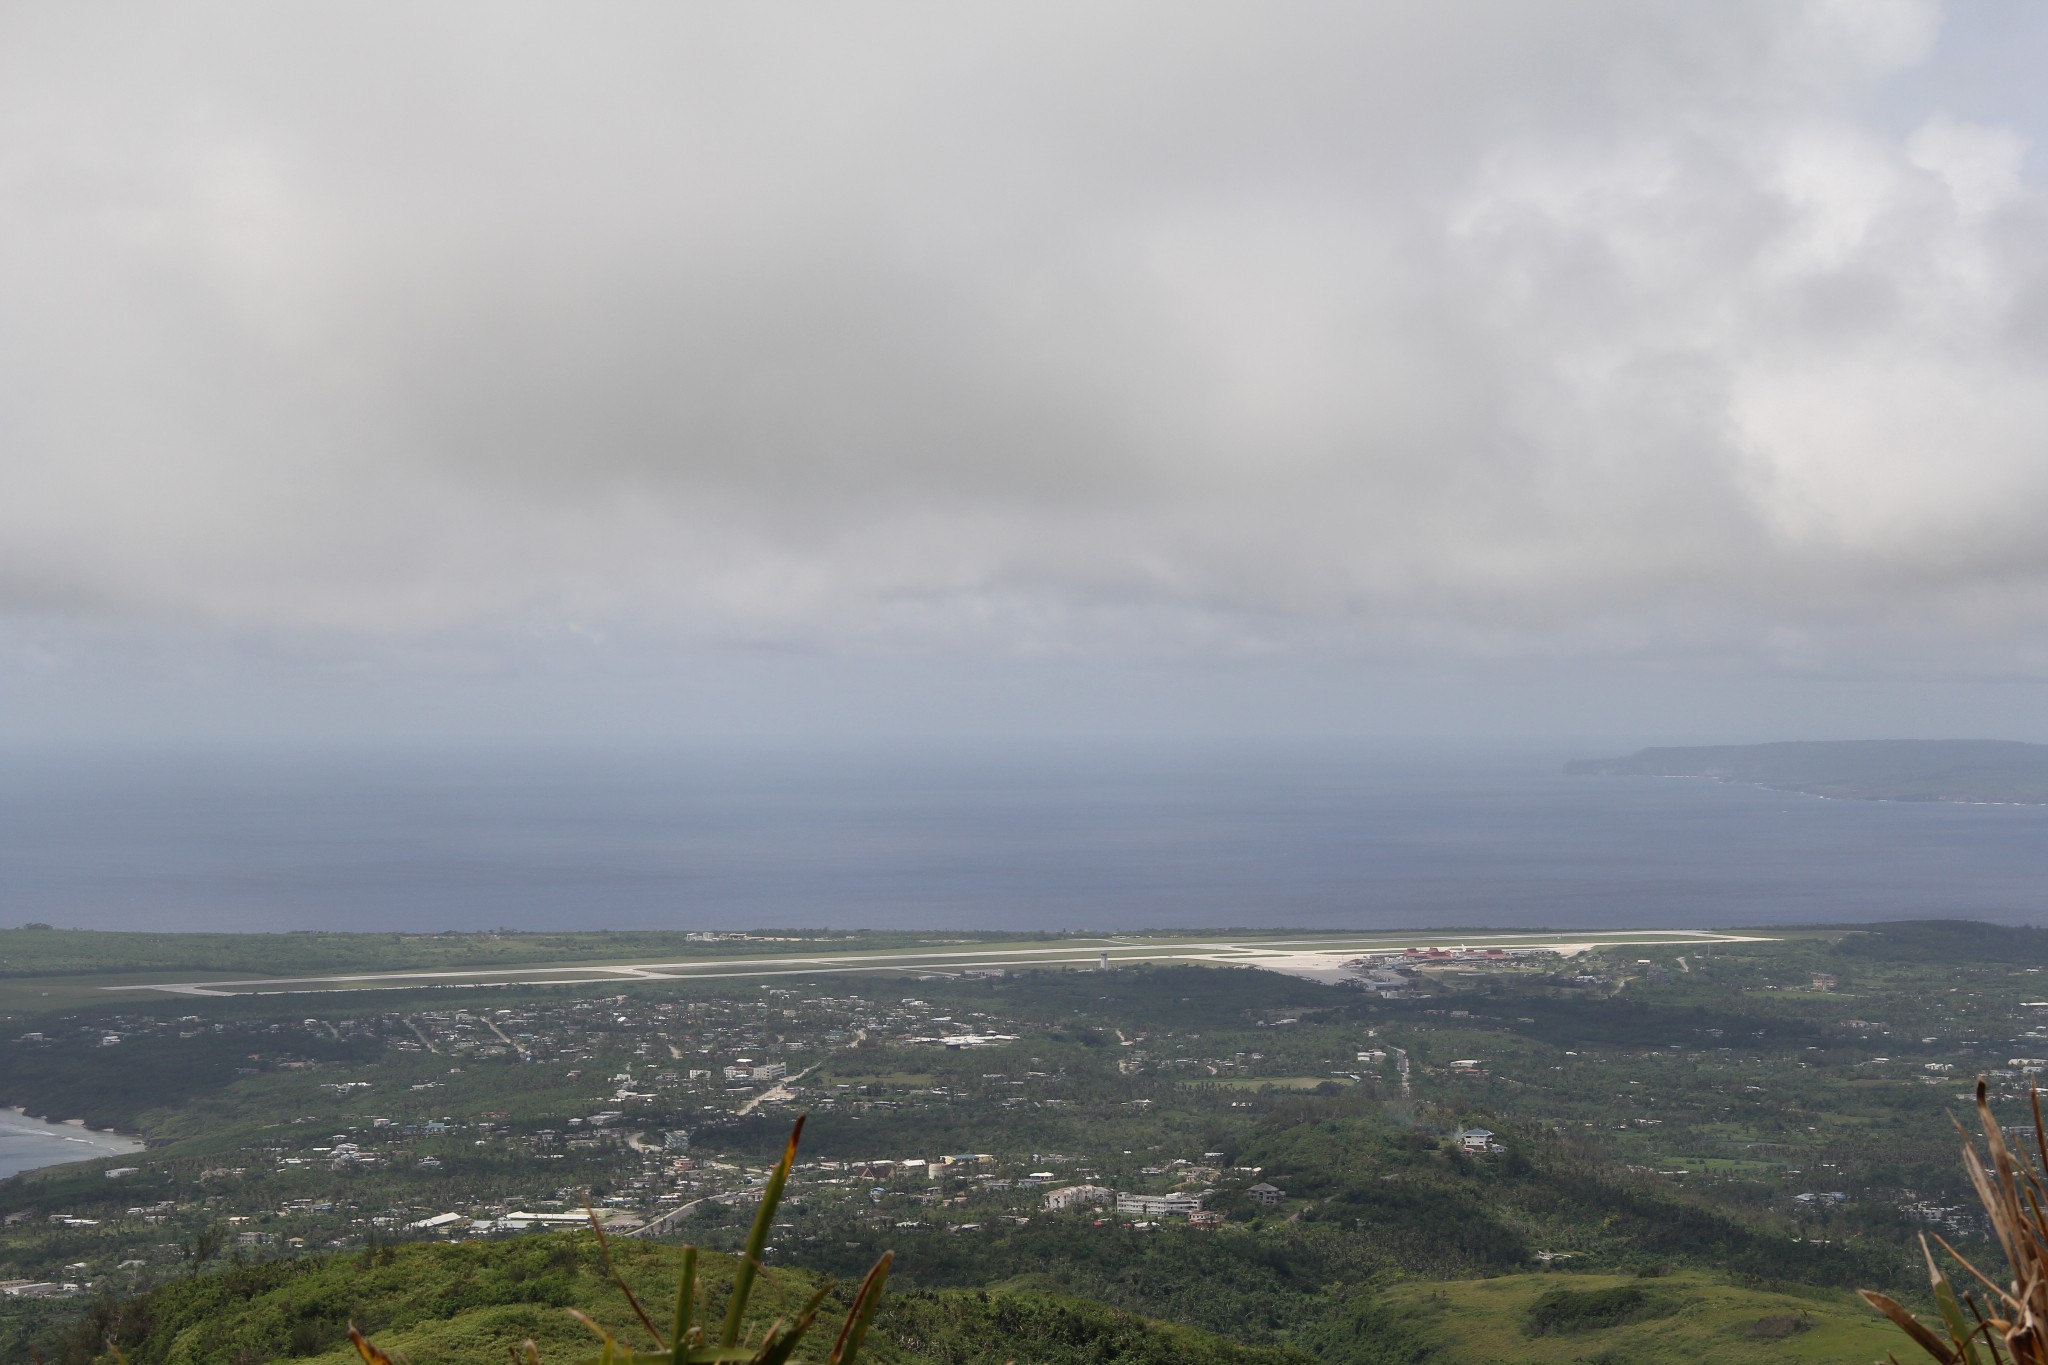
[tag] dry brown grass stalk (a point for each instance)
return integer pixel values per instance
(2008, 1324)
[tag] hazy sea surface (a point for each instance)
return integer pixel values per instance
(27, 1143)
(983, 839)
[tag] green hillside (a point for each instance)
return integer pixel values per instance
(1765, 1118)
(1697, 1319)
(1371, 1202)
(465, 1304)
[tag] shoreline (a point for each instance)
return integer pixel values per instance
(43, 1138)
(1827, 796)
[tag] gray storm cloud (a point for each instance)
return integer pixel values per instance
(1579, 326)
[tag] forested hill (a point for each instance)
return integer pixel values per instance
(465, 1304)
(1860, 769)
(469, 1304)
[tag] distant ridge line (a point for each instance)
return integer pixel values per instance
(1961, 771)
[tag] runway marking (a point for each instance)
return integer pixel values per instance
(1322, 953)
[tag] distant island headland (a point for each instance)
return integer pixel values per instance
(1961, 770)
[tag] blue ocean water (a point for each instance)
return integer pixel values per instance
(980, 839)
(26, 1143)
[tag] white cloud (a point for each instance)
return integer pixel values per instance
(1980, 166)
(1047, 328)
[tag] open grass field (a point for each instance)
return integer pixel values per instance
(1689, 1317)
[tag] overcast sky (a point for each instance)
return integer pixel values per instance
(1647, 369)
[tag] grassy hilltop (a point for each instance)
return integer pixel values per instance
(463, 1305)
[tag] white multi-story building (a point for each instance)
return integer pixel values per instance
(1159, 1205)
(1079, 1196)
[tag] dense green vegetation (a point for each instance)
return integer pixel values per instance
(1566, 1309)
(462, 1304)
(1765, 1120)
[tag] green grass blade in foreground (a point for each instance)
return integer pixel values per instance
(757, 1239)
(604, 1250)
(777, 1345)
(862, 1312)
(686, 1289)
